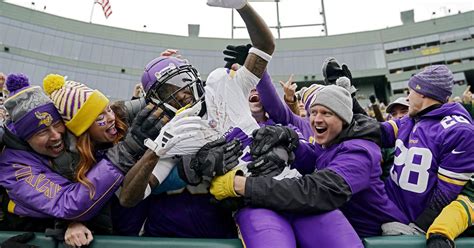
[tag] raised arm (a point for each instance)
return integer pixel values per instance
(279, 112)
(262, 39)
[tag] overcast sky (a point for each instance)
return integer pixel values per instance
(173, 16)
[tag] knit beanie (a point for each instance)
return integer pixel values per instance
(78, 105)
(29, 108)
(307, 94)
(434, 81)
(337, 99)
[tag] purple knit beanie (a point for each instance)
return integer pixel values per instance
(434, 81)
(29, 107)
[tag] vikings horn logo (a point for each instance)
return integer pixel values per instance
(44, 117)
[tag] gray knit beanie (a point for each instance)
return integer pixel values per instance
(337, 99)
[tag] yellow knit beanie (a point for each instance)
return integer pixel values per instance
(78, 105)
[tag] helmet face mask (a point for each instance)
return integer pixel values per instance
(177, 84)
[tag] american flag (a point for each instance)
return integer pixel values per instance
(106, 7)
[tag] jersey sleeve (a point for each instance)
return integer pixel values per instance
(246, 80)
(389, 131)
(457, 163)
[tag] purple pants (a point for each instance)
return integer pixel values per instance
(266, 228)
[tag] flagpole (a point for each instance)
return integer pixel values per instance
(92, 11)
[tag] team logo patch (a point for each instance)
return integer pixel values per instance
(213, 123)
(44, 118)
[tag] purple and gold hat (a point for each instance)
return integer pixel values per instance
(29, 107)
(78, 104)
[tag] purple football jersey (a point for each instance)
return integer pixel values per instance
(433, 158)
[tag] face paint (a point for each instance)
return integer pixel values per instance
(101, 123)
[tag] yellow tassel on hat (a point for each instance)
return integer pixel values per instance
(53, 82)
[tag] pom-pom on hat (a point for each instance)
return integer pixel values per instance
(29, 108)
(78, 105)
(16, 83)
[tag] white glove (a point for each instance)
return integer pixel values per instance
(231, 4)
(202, 133)
(183, 137)
(172, 133)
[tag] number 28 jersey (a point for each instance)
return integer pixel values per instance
(434, 158)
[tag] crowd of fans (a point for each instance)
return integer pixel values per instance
(214, 159)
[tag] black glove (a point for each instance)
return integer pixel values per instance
(372, 99)
(270, 136)
(270, 164)
(332, 70)
(439, 241)
(236, 54)
(346, 72)
(213, 159)
(19, 241)
(147, 124)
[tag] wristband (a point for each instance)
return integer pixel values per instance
(265, 56)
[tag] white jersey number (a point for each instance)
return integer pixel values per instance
(420, 167)
(449, 121)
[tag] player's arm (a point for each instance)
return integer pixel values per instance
(138, 179)
(262, 41)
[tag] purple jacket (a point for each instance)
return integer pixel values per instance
(433, 158)
(358, 162)
(37, 191)
(278, 110)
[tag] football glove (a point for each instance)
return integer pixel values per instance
(147, 125)
(270, 136)
(214, 159)
(182, 137)
(223, 186)
(270, 164)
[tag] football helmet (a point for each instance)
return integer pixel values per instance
(172, 83)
